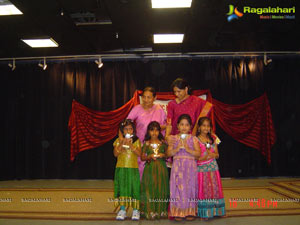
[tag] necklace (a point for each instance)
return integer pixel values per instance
(204, 139)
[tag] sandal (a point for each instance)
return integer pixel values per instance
(178, 218)
(190, 218)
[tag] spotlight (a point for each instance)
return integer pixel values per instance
(13, 65)
(266, 60)
(44, 66)
(99, 62)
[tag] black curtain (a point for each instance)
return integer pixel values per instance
(37, 105)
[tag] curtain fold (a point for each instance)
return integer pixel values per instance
(250, 123)
(90, 129)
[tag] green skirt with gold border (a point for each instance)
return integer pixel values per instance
(127, 187)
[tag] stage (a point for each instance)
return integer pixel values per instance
(92, 200)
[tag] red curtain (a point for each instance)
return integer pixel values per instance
(250, 123)
(90, 129)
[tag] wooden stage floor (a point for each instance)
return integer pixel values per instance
(91, 200)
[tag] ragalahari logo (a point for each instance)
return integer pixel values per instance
(233, 13)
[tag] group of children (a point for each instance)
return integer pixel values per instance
(194, 187)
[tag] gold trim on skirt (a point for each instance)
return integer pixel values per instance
(127, 201)
(177, 212)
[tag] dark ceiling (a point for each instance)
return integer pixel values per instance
(205, 27)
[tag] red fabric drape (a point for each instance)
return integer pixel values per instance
(90, 129)
(250, 123)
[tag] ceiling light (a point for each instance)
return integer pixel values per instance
(44, 65)
(99, 62)
(13, 65)
(7, 8)
(168, 38)
(40, 43)
(171, 3)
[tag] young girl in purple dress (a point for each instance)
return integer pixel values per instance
(183, 180)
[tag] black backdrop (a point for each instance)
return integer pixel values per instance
(37, 105)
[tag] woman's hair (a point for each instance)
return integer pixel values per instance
(151, 126)
(151, 89)
(200, 122)
(181, 84)
(184, 116)
(128, 122)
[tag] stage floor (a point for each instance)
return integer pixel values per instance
(106, 184)
(248, 201)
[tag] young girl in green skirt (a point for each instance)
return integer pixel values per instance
(127, 148)
(155, 181)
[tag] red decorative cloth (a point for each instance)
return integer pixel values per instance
(250, 123)
(90, 129)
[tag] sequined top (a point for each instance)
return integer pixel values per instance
(128, 159)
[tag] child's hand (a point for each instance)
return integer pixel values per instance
(152, 156)
(206, 157)
(160, 155)
(177, 149)
(210, 155)
(185, 145)
(127, 141)
(171, 140)
(169, 126)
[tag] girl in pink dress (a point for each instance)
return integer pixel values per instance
(210, 194)
(145, 113)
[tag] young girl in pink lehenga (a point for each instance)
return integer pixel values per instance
(210, 194)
